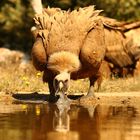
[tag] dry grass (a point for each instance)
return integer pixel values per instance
(121, 85)
(13, 79)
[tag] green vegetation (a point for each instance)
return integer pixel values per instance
(16, 21)
(16, 17)
(119, 9)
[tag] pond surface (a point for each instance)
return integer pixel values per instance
(50, 122)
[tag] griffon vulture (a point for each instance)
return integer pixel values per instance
(68, 45)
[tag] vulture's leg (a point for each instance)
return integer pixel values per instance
(52, 97)
(92, 79)
(90, 93)
(48, 78)
(99, 82)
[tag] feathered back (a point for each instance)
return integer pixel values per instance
(121, 50)
(65, 30)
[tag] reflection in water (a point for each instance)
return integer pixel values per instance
(61, 123)
(61, 119)
(70, 122)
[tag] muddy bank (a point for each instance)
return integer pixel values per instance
(119, 98)
(115, 98)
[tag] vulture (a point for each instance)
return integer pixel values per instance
(68, 45)
(74, 44)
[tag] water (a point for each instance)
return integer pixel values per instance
(52, 122)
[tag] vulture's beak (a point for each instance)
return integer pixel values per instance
(61, 86)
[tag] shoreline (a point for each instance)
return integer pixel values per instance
(101, 98)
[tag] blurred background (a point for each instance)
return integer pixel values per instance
(16, 17)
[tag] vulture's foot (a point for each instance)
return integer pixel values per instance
(89, 97)
(91, 92)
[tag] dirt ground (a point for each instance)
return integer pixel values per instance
(114, 98)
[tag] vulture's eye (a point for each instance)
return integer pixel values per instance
(66, 81)
(68, 72)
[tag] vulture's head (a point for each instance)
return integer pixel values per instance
(62, 64)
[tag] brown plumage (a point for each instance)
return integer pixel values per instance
(116, 51)
(72, 45)
(122, 41)
(122, 44)
(69, 45)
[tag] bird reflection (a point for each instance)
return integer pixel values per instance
(61, 120)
